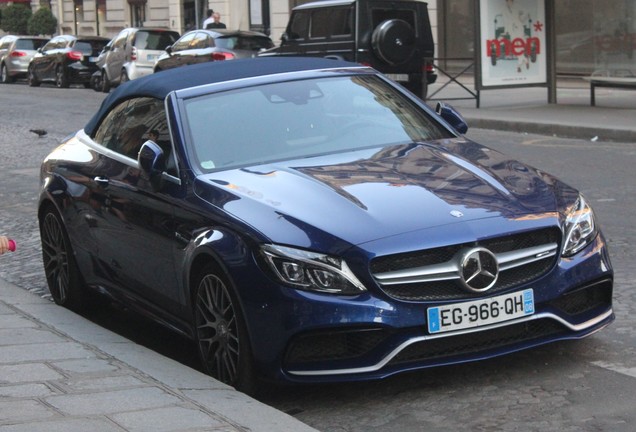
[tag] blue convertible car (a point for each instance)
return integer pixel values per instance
(308, 220)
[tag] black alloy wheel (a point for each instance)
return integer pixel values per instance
(220, 332)
(62, 275)
(61, 80)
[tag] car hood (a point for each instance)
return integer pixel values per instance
(362, 196)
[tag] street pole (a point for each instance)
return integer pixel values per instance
(551, 54)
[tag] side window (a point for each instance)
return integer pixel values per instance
(132, 123)
(342, 21)
(120, 41)
(298, 25)
(51, 45)
(320, 23)
(183, 43)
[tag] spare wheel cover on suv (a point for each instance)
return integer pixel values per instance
(393, 41)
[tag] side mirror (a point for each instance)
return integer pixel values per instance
(169, 49)
(152, 162)
(284, 37)
(452, 116)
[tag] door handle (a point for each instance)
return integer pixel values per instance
(101, 181)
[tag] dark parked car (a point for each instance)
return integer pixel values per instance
(310, 220)
(394, 37)
(15, 54)
(200, 46)
(66, 60)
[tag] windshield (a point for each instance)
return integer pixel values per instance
(300, 119)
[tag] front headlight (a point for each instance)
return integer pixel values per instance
(312, 271)
(580, 227)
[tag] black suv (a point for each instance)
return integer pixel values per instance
(392, 36)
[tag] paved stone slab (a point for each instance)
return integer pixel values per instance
(86, 366)
(24, 336)
(44, 351)
(65, 425)
(84, 384)
(31, 390)
(27, 372)
(112, 402)
(14, 411)
(168, 419)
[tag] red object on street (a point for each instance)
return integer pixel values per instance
(11, 245)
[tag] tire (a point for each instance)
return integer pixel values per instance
(61, 80)
(393, 41)
(4, 75)
(221, 335)
(105, 83)
(33, 81)
(60, 268)
(96, 83)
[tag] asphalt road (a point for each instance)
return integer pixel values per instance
(587, 385)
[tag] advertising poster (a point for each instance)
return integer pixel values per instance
(513, 47)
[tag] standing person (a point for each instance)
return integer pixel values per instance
(209, 20)
(216, 24)
(6, 245)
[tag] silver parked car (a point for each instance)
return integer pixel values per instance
(133, 54)
(201, 46)
(15, 54)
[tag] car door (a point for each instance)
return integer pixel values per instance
(201, 48)
(116, 57)
(44, 61)
(134, 224)
(181, 52)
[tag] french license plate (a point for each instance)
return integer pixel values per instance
(398, 77)
(92, 59)
(478, 313)
(152, 57)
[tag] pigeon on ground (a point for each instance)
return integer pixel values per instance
(38, 132)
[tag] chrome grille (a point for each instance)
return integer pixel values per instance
(435, 274)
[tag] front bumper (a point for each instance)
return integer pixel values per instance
(307, 337)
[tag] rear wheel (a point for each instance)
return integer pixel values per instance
(60, 268)
(4, 75)
(61, 80)
(221, 334)
(33, 81)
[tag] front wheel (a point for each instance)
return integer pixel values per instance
(33, 81)
(221, 334)
(105, 83)
(60, 268)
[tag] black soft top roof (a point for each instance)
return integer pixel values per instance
(159, 85)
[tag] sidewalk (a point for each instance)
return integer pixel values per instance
(61, 372)
(527, 110)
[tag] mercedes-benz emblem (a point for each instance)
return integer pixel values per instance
(479, 269)
(398, 41)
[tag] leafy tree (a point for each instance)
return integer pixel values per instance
(42, 22)
(15, 18)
